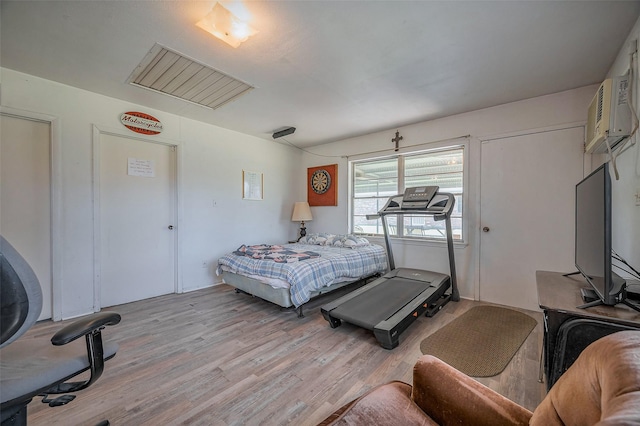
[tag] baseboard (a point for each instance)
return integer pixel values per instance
(189, 290)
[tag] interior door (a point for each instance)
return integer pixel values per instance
(137, 219)
(527, 212)
(25, 196)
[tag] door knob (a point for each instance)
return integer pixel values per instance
(170, 227)
(485, 229)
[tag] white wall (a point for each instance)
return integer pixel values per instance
(212, 162)
(544, 112)
(626, 214)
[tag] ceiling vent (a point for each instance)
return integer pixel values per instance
(173, 74)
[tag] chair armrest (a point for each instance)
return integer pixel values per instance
(84, 326)
(91, 328)
(451, 397)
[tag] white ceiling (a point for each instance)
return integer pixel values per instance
(332, 69)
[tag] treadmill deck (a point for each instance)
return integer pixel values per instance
(388, 305)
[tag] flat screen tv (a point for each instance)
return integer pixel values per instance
(593, 238)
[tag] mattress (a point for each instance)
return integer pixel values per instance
(304, 278)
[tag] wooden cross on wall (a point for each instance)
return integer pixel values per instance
(396, 140)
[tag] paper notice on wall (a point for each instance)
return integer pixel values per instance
(252, 185)
(138, 167)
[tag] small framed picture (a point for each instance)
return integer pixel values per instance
(252, 185)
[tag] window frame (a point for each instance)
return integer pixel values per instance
(400, 157)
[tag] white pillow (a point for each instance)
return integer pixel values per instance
(319, 239)
(348, 241)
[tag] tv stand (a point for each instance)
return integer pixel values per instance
(592, 299)
(567, 329)
(588, 295)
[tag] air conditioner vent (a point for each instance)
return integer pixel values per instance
(170, 73)
(600, 97)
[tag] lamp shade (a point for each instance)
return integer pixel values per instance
(301, 212)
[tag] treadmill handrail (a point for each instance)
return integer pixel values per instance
(431, 210)
(439, 213)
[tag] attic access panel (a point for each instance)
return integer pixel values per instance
(170, 73)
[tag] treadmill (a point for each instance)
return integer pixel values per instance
(390, 304)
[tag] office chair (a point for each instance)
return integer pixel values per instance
(36, 366)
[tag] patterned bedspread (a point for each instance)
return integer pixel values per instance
(312, 274)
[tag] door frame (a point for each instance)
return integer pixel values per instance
(98, 131)
(586, 165)
(55, 164)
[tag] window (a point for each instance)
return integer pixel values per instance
(374, 181)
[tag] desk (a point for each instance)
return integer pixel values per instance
(558, 297)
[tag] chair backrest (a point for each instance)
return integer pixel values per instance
(602, 386)
(20, 294)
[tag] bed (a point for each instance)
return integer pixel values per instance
(290, 275)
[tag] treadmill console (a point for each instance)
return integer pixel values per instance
(418, 197)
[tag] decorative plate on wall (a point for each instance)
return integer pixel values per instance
(322, 183)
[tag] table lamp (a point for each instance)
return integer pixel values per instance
(301, 212)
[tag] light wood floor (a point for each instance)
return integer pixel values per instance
(215, 357)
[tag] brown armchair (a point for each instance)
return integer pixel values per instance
(602, 387)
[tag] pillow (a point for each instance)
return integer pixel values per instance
(347, 241)
(319, 239)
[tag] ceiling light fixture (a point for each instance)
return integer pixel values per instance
(226, 26)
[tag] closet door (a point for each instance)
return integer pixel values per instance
(527, 212)
(25, 196)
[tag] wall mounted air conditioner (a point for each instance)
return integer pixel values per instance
(609, 117)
